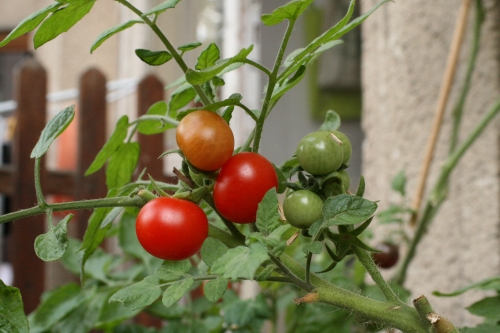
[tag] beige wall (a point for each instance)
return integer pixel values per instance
(405, 49)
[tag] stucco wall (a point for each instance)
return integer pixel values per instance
(405, 47)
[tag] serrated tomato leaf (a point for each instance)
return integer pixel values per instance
(173, 270)
(116, 139)
(61, 21)
(268, 217)
(122, 164)
(112, 31)
(241, 262)
(140, 294)
(211, 250)
(30, 23)
(215, 289)
(53, 244)
(291, 11)
(176, 290)
(162, 7)
(345, 209)
(12, 317)
(52, 130)
(153, 58)
(208, 57)
(189, 46)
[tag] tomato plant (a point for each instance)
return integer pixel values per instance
(241, 185)
(171, 229)
(319, 153)
(302, 208)
(346, 146)
(388, 255)
(205, 139)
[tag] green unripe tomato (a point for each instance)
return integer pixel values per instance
(302, 208)
(319, 153)
(346, 146)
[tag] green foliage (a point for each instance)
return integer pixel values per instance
(52, 130)
(112, 31)
(153, 58)
(12, 317)
(53, 244)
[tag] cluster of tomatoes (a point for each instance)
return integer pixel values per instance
(324, 155)
(175, 229)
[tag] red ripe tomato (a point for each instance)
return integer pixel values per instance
(241, 184)
(205, 139)
(171, 229)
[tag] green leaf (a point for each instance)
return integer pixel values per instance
(481, 328)
(211, 250)
(361, 187)
(140, 294)
(215, 289)
(181, 97)
(153, 58)
(291, 11)
(116, 139)
(30, 23)
(398, 183)
(122, 165)
(208, 57)
(345, 209)
(195, 77)
(488, 284)
(83, 318)
(162, 7)
(52, 130)
(331, 122)
(94, 235)
(149, 127)
(12, 317)
(112, 31)
(265, 273)
(314, 247)
(228, 113)
(487, 307)
(61, 21)
(113, 313)
(53, 244)
(173, 270)
(189, 46)
(241, 261)
(112, 215)
(268, 217)
(247, 313)
(55, 305)
(176, 290)
(282, 87)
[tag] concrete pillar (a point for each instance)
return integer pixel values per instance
(405, 47)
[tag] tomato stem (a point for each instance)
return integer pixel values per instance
(38, 185)
(266, 106)
(204, 98)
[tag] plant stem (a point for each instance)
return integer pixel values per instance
(83, 204)
(168, 45)
(258, 66)
(38, 185)
(423, 307)
(459, 106)
(287, 272)
(366, 260)
(441, 106)
(270, 87)
(229, 225)
(401, 316)
(438, 194)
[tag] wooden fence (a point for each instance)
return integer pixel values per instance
(17, 178)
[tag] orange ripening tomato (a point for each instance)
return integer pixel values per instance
(205, 139)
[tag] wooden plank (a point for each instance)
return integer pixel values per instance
(91, 113)
(30, 84)
(149, 91)
(6, 182)
(20, 44)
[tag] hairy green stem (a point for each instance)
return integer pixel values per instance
(229, 225)
(288, 273)
(423, 307)
(266, 107)
(38, 185)
(83, 204)
(366, 260)
(400, 316)
(204, 98)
